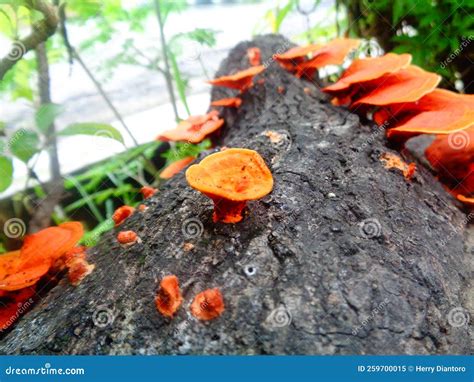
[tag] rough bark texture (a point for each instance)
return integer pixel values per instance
(304, 273)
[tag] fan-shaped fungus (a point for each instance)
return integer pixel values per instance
(208, 305)
(453, 157)
(121, 214)
(254, 56)
(40, 251)
(168, 299)
(230, 178)
(366, 69)
(294, 56)
(227, 102)
(241, 80)
(194, 129)
(148, 191)
(406, 85)
(438, 112)
(175, 167)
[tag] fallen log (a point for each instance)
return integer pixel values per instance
(343, 257)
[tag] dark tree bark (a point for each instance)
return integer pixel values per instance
(305, 272)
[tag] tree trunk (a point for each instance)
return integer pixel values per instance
(343, 257)
(54, 191)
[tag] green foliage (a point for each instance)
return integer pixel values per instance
(183, 150)
(45, 116)
(274, 17)
(112, 183)
(6, 172)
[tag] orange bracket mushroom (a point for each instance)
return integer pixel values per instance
(208, 305)
(453, 157)
(406, 85)
(333, 53)
(231, 178)
(194, 129)
(241, 80)
(364, 70)
(294, 56)
(227, 102)
(40, 251)
(168, 299)
(438, 112)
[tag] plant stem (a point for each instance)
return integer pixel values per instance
(164, 48)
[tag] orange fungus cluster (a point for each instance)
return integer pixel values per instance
(42, 255)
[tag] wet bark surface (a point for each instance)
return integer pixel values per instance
(343, 257)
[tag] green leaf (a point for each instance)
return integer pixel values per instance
(46, 115)
(24, 144)
(96, 129)
(6, 172)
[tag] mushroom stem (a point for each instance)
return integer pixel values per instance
(227, 211)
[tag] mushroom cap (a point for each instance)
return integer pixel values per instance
(297, 52)
(240, 80)
(439, 112)
(233, 174)
(175, 167)
(366, 69)
(51, 243)
(19, 269)
(333, 53)
(228, 102)
(193, 129)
